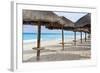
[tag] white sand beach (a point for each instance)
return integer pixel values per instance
(52, 50)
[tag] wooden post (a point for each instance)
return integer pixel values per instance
(81, 37)
(74, 37)
(85, 36)
(88, 35)
(38, 41)
(62, 38)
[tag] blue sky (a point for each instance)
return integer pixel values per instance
(72, 16)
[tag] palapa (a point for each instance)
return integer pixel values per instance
(84, 21)
(84, 25)
(66, 25)
(46, 18)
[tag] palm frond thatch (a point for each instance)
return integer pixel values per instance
(84, 21)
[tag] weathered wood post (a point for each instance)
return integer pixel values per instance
(62, 38)
(74, 37)
(88, 35)
(81, 36)
(38, 41)
(85, 37)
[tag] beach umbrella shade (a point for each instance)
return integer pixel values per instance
(66, 25)
(45, 18)
(85, 30)
(81, 30)
(84, 22)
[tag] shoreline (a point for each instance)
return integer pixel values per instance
(35, 40)
(29, 44)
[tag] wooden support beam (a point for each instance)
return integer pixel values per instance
(88, 35)
(81, 36)
(62, 38)
(85, 36)
(74, 37)
(38, 41)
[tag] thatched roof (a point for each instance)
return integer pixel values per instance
(81, 30)
(67, 24)
(85, 21)
(45, 17)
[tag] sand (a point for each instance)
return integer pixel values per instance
(52, 51)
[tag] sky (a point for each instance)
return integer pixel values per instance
(72, 16)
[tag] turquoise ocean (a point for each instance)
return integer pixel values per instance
(49, 36)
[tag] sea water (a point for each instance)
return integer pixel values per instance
(49, 36)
